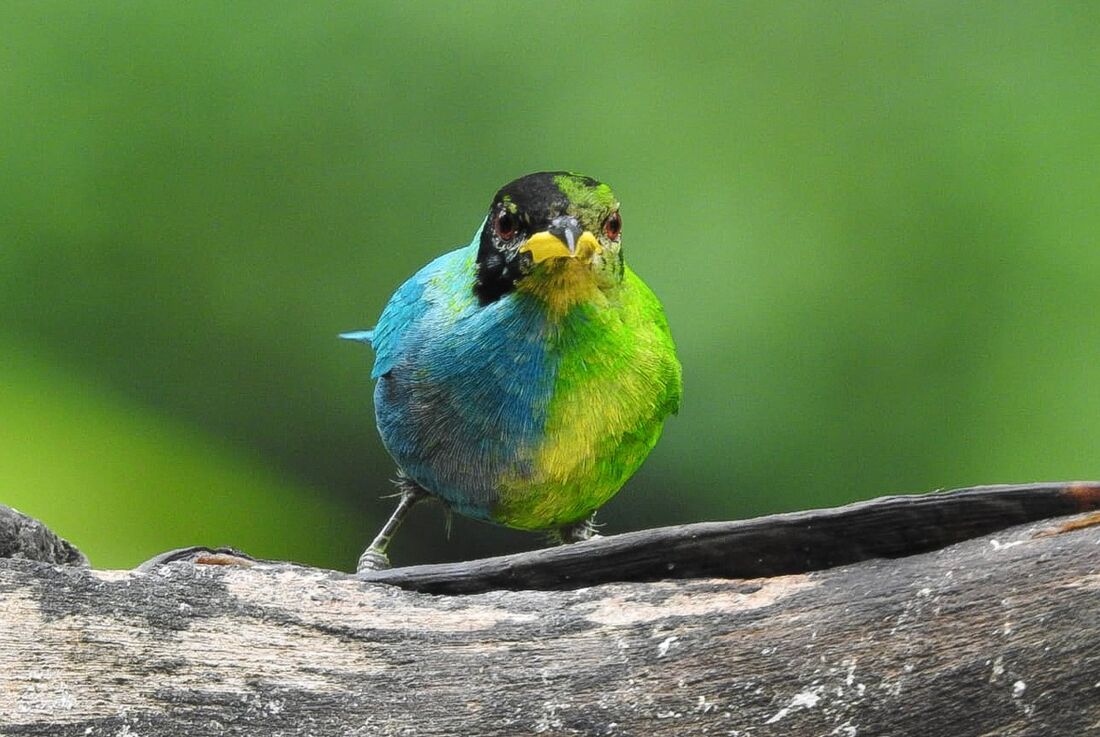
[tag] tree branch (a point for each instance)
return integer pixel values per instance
(995, 635)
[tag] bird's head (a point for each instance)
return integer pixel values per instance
(547, 224)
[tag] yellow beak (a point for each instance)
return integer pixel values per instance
(546, 245)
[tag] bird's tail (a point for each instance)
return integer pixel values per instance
(361, 336)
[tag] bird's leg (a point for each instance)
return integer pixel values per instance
(374, 557)
(578, 531)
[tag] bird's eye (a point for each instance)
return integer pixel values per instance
(613, 226)
(506, 225)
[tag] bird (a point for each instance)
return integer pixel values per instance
(524, 377)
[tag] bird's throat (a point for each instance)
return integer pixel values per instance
(560, 284)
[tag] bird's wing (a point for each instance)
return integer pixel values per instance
(663, 350)
(402, 311)
(410, 303)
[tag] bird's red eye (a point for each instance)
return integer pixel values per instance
(506, 225)
(613, 226)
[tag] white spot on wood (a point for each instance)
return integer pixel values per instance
(805, 700)
(998, 669)
(704, 706)
(1018, 689)
(615, 610)
(662, 649)
(110, 576)
(356, 606)
(998, 545)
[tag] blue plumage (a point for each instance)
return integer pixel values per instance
(468, 401)
(360, 336)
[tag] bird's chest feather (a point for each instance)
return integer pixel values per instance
(491, 404)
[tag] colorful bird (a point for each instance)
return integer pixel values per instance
(522, 379)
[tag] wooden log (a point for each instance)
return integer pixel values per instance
(995, 635)
(798, 542)
(26, 538)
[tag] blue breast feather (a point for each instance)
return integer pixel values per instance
(463, 389)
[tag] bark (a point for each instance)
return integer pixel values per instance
(993, 635)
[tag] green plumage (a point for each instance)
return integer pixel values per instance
(617, 379)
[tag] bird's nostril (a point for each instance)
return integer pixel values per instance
(568, 229)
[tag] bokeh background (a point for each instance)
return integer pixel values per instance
(874, 227)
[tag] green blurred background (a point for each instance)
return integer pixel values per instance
(873, 225)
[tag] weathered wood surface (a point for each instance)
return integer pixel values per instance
(797, 542)
(998, 635)
(779, 544)
(26, 538)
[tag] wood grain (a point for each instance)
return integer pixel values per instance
(994, 635)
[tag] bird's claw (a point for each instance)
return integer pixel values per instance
(577, 532)
(372, 560)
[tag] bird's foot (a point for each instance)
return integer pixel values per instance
(374, 557)
(577, 532)
(372, 560)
